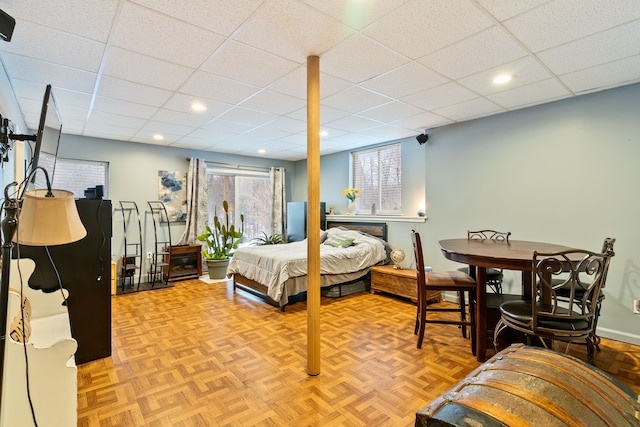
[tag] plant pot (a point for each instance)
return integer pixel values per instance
(217, 268)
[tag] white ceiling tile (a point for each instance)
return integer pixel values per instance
(183, 103)
(388, 132)
(124, 108)
(132, 92)
(288, 124)
(149, 71)
(469, 110)
(441, 96)
(506, 9)
(391, 111)
(163, 37)
(327, 114)
(180, 118)
(610, 45)
(237, 61)
(23, 68)
(405, 80)
(422, 121)
(353, 123)
(558, 22)
(479, 52)
(98, 117)
(523, 72)
(221, 16)
(44, 43)
(359, 58)
(292, 30)
(422, 27)
(273, 102)
(247, 116)
(354, 100)
(213, 87)
(92, 19)
(604, 76)
(356, 14)
(228, 127)
(532, 94)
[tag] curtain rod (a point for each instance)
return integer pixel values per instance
(236, 166)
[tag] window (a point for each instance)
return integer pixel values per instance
(74, 175)
(248, 194)
(377, 173)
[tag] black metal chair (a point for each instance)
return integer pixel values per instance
(456, 281)
(565, 292)
(494, 275)
(558, 318)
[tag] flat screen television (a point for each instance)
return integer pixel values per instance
(47, 139)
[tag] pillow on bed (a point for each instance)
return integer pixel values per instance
(339, 241)
(323, 236)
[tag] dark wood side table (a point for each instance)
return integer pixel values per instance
(403, 283)
(183, 262)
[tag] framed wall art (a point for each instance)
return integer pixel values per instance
(173, 193)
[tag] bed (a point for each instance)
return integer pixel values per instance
(277, 273)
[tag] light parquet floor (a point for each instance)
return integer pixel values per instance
(199, 354)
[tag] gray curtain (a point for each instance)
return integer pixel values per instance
(278, 201)
(197, 202)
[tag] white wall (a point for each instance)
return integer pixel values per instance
(566, 172)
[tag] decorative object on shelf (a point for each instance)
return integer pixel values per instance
(331, 210)
(421, 211)
(221, 241)
(397, 256)
(373, 209)
(351, 194)
(351, 208)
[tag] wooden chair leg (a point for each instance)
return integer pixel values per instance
(423, 319)
(463, 312)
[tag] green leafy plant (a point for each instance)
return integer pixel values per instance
(223, 239)
(274, 239)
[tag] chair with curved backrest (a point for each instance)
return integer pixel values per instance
(442, 281)
(551, 317)
(565, 292)
(494, 275)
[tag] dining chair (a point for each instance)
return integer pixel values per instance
(494, 275)
(564, 292)
(559, 318)
(455, 281)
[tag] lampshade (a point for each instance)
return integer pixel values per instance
(48, 221)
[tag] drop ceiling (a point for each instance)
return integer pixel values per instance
(131, 69)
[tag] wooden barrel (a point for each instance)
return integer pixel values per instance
(531, 386)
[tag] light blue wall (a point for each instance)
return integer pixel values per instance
(565, 172)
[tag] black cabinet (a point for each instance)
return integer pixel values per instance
(297, 220)
(85, 270)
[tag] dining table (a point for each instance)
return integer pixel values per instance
(500, 254)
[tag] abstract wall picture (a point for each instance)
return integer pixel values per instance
(173, 193)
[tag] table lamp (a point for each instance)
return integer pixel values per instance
(42, 217)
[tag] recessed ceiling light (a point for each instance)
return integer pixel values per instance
(262, 151)
(502, 79)
(324, 133)
(158, 137)
(198, 106)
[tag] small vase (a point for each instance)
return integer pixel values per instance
(351, 207)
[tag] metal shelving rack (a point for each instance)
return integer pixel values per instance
(132, 258)
(162, 242)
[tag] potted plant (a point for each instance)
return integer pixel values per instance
(220, 241)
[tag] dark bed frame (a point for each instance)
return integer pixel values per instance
(376, 229)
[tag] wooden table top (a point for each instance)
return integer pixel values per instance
(512, 255)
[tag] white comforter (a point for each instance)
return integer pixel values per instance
(272, 265)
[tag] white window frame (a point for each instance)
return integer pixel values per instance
(378, 197)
